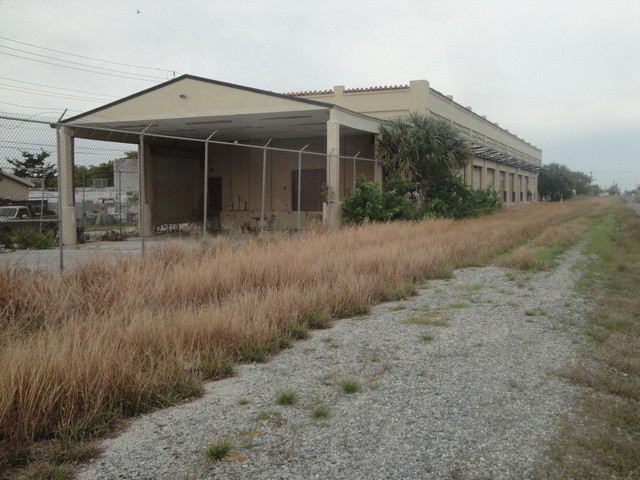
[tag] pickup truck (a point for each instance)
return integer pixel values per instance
(25, 217)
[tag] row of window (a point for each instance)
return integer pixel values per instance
(524, 189)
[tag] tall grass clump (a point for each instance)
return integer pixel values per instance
(107, 341)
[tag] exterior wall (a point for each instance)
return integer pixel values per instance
(240, 171)
(391, 102)
(191, 98)
(384, 103)
(419, 97)
(12, 189)
(480, 128)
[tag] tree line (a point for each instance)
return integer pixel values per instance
(557, 182)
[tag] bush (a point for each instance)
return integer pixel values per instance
(113, 236)
(370, 203)
(34, 239)
(453, 198)
(5, 238)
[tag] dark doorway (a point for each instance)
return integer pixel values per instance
(214, 204)
(311, 197)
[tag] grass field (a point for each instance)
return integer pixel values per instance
(106, 342)
(601, 437)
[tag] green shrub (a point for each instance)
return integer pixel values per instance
(113, 236)
(34, 239)
(453, 198)
(370, 203)
(80, 234)
(450, 198)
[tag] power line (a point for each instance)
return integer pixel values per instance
(78, 147)
(57, 88)
(52, 94)
(35, 90)
(39, 108)
(79, 69)
(79, 63)
(88, 58)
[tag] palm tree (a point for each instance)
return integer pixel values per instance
(422, 149)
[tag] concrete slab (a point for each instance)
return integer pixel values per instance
(49, 260)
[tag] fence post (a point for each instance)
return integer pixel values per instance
(206, 184)
(328, 199)
(264, 183)
(142, 184)
(300, 184)
(354, 171)
(120, 200)
(60, 229)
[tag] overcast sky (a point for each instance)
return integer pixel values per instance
(562, 74)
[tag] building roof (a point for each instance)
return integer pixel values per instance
(22, 180)
(192, 107)
(199, 79)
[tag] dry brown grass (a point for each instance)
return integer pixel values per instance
(109, 341)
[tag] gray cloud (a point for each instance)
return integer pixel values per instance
(563, 74)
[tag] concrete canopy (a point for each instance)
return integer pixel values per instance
(194, 107)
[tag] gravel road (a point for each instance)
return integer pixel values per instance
(473, 398)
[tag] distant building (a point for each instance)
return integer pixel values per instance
(125, 175)
(14, 188)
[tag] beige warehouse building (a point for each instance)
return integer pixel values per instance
(203, 156)
(502, 161)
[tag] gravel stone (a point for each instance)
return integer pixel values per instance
(477, 401)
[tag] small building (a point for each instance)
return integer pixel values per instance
(125, 175)
(13, 187)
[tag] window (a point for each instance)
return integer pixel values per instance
(477, 177)
(311, 181)
(490, 178)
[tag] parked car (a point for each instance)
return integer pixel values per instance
(15, 218)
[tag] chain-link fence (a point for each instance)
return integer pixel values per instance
(146, 187)
(29, 220)
(105, 195)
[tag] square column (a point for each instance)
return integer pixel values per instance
(67, 200)
(468, 172)
(483, 179)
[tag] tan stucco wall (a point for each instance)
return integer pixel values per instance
(419, 97)
(480, 128)
(189, 98)
(489, 174)
(13, 190)
(385, 104)
(240, 169)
